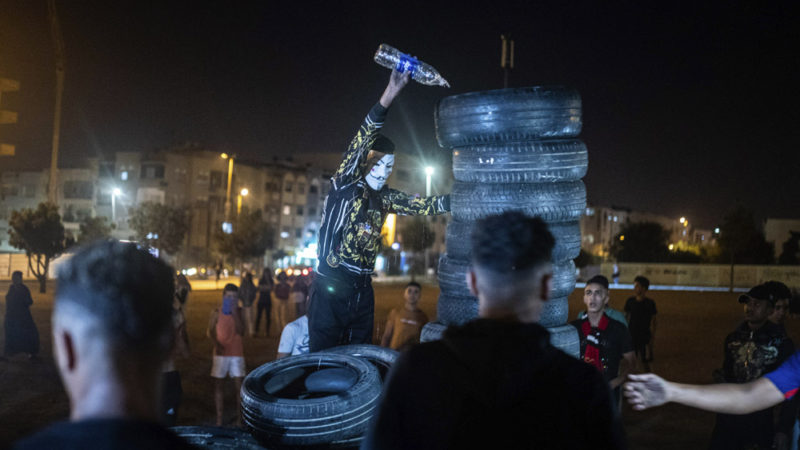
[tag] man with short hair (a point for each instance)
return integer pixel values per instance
(342, 305)
(497, 382)
(226, 327)
(756, 347)
(294, 336)
(641, 314)
(112, 332)
(404, 326)
(605, 343)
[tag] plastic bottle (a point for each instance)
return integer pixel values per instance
(421, 72)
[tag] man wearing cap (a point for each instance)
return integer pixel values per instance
(605, 342)
(754, 348)
(342, 302)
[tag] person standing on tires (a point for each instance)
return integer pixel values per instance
(342, 303)
(497, 382)
(226, 328)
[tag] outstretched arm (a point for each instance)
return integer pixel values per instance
(350, 169)
(409, 205)
(649, 390)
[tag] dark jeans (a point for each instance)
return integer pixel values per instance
(264, 304)
(341, 311)
(171, 396)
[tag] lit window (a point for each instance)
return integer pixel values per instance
(123, 175)
(615, 218)
(286, 210)
(284, 234)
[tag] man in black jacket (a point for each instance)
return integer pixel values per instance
(497, 382)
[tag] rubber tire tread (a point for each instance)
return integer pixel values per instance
(567, 234)
(521, 162)
(553, 202)
(216, 437)
(380, 357)
(432, 331)
(322, 420)
(565, 337)
(503, 115)
(452, 310)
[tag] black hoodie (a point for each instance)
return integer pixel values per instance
(494, 384)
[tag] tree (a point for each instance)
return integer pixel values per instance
(94, 228)
(641, 242)
(41, 234)
(251, 237)
(159, 226)
(791, 249)
(741, 241)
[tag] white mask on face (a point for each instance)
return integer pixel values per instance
(377, 176)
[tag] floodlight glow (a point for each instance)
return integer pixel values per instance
(429, 170)
(244, 191)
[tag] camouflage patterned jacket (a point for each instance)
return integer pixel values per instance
(350, 233)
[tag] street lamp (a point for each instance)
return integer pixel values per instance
(230, 179)
(428, 174)
(114, 193)
(242, 193)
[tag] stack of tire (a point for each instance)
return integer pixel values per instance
(513, 149)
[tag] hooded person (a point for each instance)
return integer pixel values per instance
(342, 303)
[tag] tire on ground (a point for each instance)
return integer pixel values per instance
(503, 115)
(217, 438)
(452, 310)
(553, 202)
(563, 280)
(521, 162)
(567, 234)
(380, 357)
(278, 411)
(432, 331)
(565, 337)
(554, 312)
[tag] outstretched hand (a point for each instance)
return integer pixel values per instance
(645, 391)
(397, 81)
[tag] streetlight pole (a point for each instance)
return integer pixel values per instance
(428, 174)
(242, 193)
(230, 180)
(114, 193)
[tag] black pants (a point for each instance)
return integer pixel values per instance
(341, 311)
(171, 393)
(264, 304)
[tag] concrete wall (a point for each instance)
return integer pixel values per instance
(704, 274)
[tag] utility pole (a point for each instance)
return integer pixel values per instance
(58, 47)
(506, 56)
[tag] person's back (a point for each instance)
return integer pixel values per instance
(506, 384)
(497, 382)
(112, 332)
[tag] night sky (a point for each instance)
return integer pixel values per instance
(688, 107)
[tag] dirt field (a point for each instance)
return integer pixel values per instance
(691, 328)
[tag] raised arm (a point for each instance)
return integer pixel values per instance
(350, 170)
(649, 390)
(409, 205)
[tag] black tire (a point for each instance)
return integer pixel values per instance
(452, 276)
(539, 112)
(521, 162)
(453, 281)
(432, 331)
(567, 234)
(380, 357)
(278, 411)
(553, 202)
(565, 337)
(217, 438)
(452, 310)
(563, 280)
(554, 312)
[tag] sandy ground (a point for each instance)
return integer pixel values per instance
(691, 328)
